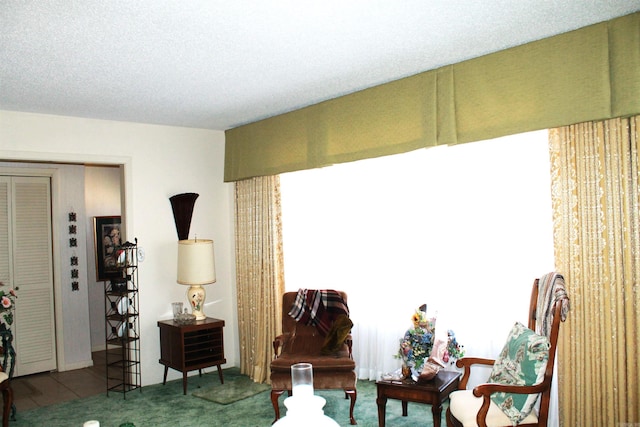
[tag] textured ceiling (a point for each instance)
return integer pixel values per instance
(219, 64)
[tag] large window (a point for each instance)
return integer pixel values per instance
(464, 229)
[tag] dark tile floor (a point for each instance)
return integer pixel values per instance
(47, 388)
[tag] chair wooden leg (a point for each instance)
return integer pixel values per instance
(353, 395)
(275, 394)
(451, 421)
(7, 398)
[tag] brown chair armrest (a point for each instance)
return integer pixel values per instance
(466, 363)
(278, 343)
(487, 389)
(349, 342)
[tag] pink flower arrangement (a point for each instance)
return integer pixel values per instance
(7, 301)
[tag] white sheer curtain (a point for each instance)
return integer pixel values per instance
(464, 229)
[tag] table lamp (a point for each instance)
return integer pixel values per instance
(196, 267)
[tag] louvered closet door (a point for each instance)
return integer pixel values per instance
(5, 229)
(34, 329)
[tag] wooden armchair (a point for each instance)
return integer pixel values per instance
(7, 397)
(303, 343)
(8, 355)
(548, 306)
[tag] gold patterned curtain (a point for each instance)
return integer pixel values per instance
(595, 191)
(259, 272)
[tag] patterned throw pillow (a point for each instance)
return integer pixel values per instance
(522, 361)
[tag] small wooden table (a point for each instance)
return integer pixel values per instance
(433, 392)
(193, 346)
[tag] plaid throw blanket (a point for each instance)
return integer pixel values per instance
(551, 288)
(318, 308)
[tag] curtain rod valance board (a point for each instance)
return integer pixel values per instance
(592, 73)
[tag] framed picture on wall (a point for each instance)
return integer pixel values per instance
(107, 240)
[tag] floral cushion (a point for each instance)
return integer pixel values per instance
(522, 361)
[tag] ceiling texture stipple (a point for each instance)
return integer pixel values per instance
(219, 64)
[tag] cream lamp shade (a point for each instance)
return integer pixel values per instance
(196, 267)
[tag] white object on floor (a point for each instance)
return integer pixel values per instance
(305, 411)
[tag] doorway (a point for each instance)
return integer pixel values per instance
(102, 198)
(75, 336)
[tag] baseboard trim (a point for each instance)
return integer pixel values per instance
(77, 365)
(101, 347)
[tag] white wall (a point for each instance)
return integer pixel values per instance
(68, 196)
(158, 162)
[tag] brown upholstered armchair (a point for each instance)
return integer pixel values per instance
(304, 343)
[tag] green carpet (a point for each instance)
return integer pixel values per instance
(239, 388)
(159, 405)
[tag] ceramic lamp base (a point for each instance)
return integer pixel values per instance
(195, 296)
(305, 411)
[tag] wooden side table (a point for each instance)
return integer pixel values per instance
(433, 392)
(189, 347)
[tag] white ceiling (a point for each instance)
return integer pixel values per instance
(219, 64)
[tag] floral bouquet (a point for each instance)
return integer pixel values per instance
(420, 319)
(455, 350)
(7, 301)
(417, 343)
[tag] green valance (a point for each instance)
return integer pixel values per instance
(589, 74)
